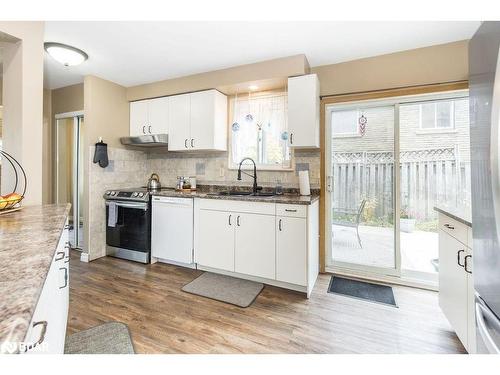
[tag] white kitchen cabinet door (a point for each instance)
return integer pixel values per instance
(172, 229)
(291, 250)
(158, 116)
(216, 239)
(139, 118)
(255, 245)
(303, 111)
(208, 121)
(179, 133)
(453, 286)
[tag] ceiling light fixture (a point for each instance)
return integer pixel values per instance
(66, 55)
(253, 87)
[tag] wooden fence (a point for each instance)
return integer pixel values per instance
(428, 177)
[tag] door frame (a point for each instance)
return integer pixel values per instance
(76, 116)
(396, 275)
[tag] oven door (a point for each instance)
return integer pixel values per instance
(132, 229)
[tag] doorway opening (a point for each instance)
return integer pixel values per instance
(381, 221)
(69, 171)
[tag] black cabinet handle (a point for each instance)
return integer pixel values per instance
(449, 226)
(458, 258)
(62, 254)
(238, 220)
(291, 138)
(279, 225)
(143, 129)
(149, 129)
(186, 143)
(230, 219)
(65, 277)
(44, 324)
(289, 210)
(466, 264)
(192, 142)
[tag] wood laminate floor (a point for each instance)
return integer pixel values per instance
(163, 319)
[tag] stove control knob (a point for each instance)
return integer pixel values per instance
(135, 194)
(113, 193)
(141, 195)
(108, 192)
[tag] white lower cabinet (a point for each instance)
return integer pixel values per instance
(456, 284)
(254, 250)
(272, 243)
(291, 250)
(47, 330)
(215, 232)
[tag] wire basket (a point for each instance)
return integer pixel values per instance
(12, 200)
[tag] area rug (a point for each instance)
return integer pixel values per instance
(223, 288)
(107, 338)
(362, 290)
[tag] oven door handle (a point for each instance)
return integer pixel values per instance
(141, 206)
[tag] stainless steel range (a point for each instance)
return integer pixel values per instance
(128, 224)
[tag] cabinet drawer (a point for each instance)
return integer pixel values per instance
(291, 210)
(453, 228)
(238, 206)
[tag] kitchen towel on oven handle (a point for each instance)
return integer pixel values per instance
(112, 214)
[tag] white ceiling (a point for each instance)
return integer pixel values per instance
(132, 53)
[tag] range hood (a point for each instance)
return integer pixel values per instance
(149, 140)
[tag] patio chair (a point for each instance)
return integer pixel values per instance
(354, 214)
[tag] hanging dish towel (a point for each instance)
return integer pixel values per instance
(112, 214)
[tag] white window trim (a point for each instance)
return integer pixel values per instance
(231, 165)
(435, 129)
(356, 134)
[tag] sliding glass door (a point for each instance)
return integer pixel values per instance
(381, 218)
(362, 187)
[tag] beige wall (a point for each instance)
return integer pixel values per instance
(224, 79)
(23, 103)
(422, 66)
(106, 111)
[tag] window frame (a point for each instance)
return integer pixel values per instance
(233, 165)
(357, 134)
(436, 129)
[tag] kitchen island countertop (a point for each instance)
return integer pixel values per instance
(28, 241)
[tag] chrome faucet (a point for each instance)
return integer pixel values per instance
(255, 188)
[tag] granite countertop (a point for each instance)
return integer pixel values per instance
(28, 241)
(288, 198)
(463, 215)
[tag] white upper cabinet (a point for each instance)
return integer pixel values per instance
(179, 134)
(158, 116)
(208, 121)
(149, 117)
(138, 118)
(303, 111)
(198, 121)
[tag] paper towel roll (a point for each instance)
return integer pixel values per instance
(305, 188)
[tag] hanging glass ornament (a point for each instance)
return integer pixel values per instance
(235, 126)
(362, 124)
(284, 136)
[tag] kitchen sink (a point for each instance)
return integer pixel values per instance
(242, 194)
